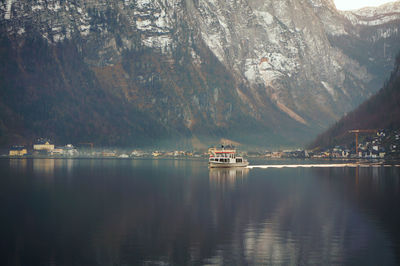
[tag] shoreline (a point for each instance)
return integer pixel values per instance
(295, 161)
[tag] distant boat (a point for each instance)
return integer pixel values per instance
(225, 158)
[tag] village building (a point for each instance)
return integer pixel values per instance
(18, 151)
(69, 150)
(156, 154)
(43, 146)
(57, 151)
(138, 153)
(109, 154)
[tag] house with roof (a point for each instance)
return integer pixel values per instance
(43, 146)
(18, 151)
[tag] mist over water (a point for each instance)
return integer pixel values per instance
(179, 212)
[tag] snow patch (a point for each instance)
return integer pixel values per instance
(195, 56)
(282, 63)
(58, 37)
(328, 87)
(162, 42)
(265, 16)
(143, 24)
(142, 13)
(21, 31)
(374, 16)
(270, 75)
(68, 33)
(250, 70)
(84, 30)
(36, 8)
(162, 20)
(56, 29)
(142, 4)
(376, 11)
(271, 67)
(384, 34)
(8, 9)
(55, 6)
(214, 44)
(336, 30)
(273, 35)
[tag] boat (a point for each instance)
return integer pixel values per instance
(225, 157)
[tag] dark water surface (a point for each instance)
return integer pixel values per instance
(166, 212)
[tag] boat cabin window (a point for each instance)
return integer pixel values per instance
(239, 160)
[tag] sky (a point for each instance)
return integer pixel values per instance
(355, 4)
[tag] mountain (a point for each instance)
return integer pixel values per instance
(381, 111)
(140, 72)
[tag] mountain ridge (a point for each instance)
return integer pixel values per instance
(268, 73)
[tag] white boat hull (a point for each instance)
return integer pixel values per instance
(227, 165)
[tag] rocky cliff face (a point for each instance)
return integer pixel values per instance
(271, 72)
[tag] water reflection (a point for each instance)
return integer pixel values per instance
(69, 165)
(43, 167)
(19, 164)
(294, 234)
(227, 177)
(314, 217)
(182, 213)
(49, 167)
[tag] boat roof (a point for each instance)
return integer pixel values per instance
(225, 152)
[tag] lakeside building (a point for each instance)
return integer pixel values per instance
(109, 154)
(139, 153)
(18, 151)
(383, 145)
(43, 145)
(67, 150)
(156, 154)
(57, 151)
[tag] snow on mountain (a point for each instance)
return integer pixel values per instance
(303, 58)
(373, 16)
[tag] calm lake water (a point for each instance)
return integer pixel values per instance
(170, 212)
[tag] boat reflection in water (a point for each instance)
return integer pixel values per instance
(228, 177)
